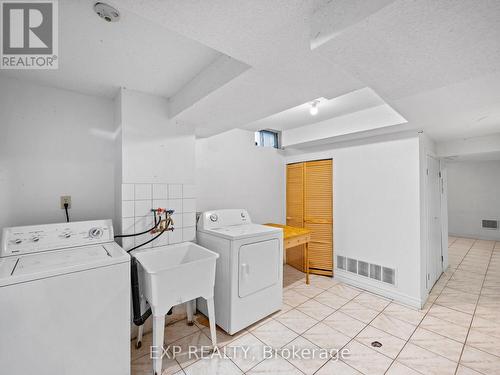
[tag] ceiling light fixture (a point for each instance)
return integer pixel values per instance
(314, 108)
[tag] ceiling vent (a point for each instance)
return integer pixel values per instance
(490, 224)
(373, 271)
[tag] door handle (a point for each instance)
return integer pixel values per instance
(245, 269)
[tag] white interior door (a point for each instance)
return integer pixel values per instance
(434, 255)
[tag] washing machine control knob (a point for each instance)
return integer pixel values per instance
(35, 238)
(95, 233)
(214, 217)
(18, 241)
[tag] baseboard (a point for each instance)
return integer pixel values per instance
(477, 236)
(374, 287)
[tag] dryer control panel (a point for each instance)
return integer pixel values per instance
(223, 218)
(37, 238)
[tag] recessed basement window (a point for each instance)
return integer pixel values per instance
(268, 138)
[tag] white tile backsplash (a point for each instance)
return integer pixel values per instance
(128, 225)
(176, 236)
(189, 219)
(128, 209)
(143, 208)
(174, 191)
(189, 234)
(128, 192)
(160, 191)
(189, 205)
(175, 204)
(139, 199)
(160, 203)
(143, 192)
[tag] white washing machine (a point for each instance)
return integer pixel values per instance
(65, 300)
(249, 274)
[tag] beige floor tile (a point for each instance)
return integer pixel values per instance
(449, 315)
(246, 352)
(400, 369)
(438, 344)
(404, 313)
(393, 326)
(480, 361)
(426, 362)
(366, 360)
(323, 282)
(147, 341)
(307, 364)
(297, 321)
(344, 323)
(293, 298)
(274, 366)
(488, 326)
(462, 370)
(371, 301)
(178, 330)
(315, 309)
(330, 299)
(274, 334)
(391, 345)
(359, 312)
(223, 338)
(481, 338)
(212, 366)
(308, 290)
(345, 291)
(337, 367)
(197, 340)
(444, 328)
(144, 366)
(326, 337)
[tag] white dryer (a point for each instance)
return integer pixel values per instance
(65, 300)
(249, 275)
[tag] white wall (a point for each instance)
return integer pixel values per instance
(377, 211)
(232, 172)
(473, 195)
(54, 142)
(154, 148)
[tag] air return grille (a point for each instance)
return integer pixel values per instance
(490, 224)
(352, 265)
(341, 262)
(365, 269)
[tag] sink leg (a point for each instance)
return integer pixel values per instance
(158, 328)
(140, 331)
(211, 318)
(190, 313)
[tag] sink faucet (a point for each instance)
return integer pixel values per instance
(166, 224)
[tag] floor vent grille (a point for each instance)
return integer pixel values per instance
(365, 269)
(490, 224)
(341, 262)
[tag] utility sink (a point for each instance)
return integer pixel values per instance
(175, 274)
(171, 275)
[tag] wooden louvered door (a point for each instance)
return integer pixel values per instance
(309, 204)
(318, 214)
(295, 210)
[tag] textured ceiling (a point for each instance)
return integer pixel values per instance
(436, 62)
(98, 58)
(428, 59)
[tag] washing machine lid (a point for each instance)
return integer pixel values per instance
(36, 266)
(236, 232)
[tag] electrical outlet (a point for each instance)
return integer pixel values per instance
(65, 199)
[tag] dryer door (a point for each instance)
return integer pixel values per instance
(259, 266)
